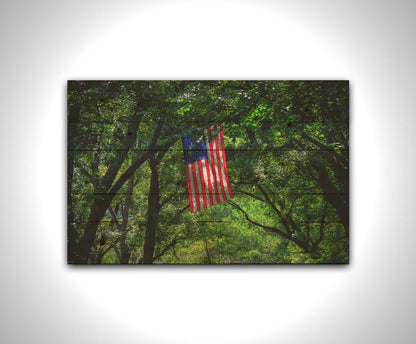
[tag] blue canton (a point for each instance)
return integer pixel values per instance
(194, 149)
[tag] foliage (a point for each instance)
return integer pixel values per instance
(287, 146)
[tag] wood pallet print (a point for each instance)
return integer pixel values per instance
(208, 172)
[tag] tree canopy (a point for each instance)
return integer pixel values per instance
(287, 149)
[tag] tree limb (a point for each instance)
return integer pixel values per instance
(252, 195)
(85, 172)
(337, 157)
(290, 237)
(128, 143)
(321, 229)
(114, 217)
(279, 213)
(169, 246)
(267, 228)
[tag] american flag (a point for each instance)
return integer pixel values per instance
(206, 168)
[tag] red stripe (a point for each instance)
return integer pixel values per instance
(211, 202)
(225, 163)
(198, 206)
(202, 183)
(189, 188)
(217, 196)
(219, 168)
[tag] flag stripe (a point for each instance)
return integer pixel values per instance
(199, 183)
(224, 165)
(210, 170)
(218, 168)
(192, 187)
(214, 169)
(192, 190)
(195, 182)
(204, 195)
(209, 188)
(189, 188)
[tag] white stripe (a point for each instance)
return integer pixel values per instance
(191, 181)
(211, 175)
(214, 199)
(204, 172)
(224, 179)
(217, 174)
(198, 182)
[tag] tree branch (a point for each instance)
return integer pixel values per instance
(167, 199)
(136, 164)
(114, 217)
(178, 213)
(272, 229)
(267, 228)
(290, 218)
(279, 213)
(112, 245)
(128, 143)
(85, 172)
(169, 246)
(252, 195)
(321, 229)
(343, 161)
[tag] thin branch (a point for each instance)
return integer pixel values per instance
(89, 176)
(166, 200)
(321, 228)
(114, 217)
(252, 195)
(109, 248)
(290, 236)
(178, 213)
(116, 251)
(135, 165)
(335, 155)
(169, 246)
(128, 143)
(267, 228)
(279, 213)
(133, 242)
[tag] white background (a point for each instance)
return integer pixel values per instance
(45, 43)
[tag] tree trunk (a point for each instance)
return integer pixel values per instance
(339, 164)
(74, 113)
(152, 213)
(124, 249)
(333, 196)
(98, 210)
